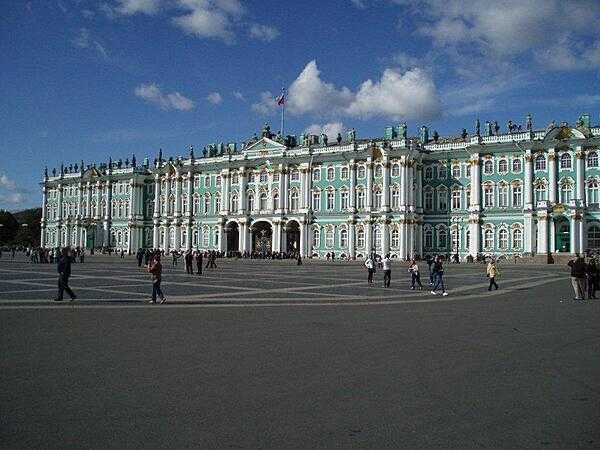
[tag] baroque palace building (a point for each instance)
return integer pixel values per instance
(525, 192)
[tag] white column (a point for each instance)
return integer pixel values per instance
(542, 230)
(155, 230)
(528, 186)
(166, 197)
(79, 200)
(474, 235)
(98, 212)
(475, 183)
(43, 221)
(580, 174)
(529, 235)
(304, 175)
(402, 248)
(369, 199)
(309, 241)
(552, 176)
(88, 200)
(276, 242)
(386, 186)
(107, 216)
(419, 238)
(419, 191)
(243, 183)
(302, 239)
(410, 236)
(410, 201)
(352, 239)
(225, 183)
(352, 183)
(403, 185)
(133, 198)
(368, 237)
(222, 239)
(385, 238)
(177, 212)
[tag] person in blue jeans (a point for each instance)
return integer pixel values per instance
(438, 276)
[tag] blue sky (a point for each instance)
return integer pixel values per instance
(87, 79)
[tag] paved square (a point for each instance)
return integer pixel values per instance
(266, 354)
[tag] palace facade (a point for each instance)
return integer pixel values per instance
(520, 193)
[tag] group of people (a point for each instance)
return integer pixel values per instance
(585, 277)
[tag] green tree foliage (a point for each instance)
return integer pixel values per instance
(8, 227)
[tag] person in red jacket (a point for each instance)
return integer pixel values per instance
(155, 268)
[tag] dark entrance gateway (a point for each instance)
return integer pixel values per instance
(262, 236)
(232, 231)
(292, 231)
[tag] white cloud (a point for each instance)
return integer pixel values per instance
(409, 95)
(7, 183)
(266, 105)
(11, 195)
(360, 4)
(214, 98)
(263, 32)
(330, 129)
(131, 7)
(404, 61)
(152, 93)
(209, 18)
(238, 95)
(82, 39)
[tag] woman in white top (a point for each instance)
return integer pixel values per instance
(370, 268)
(415, 276)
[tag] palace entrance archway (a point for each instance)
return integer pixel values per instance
(232, 231)
(292, 232)
(262, 237)
(562, 231)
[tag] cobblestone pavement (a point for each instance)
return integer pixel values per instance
(266, 354)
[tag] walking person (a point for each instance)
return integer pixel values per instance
(198, 262)
(438, 276)
(64, 272)
(429, 261)
(492, 272)
(370, 265)
(591, 273)
(387, 270)
(414, 275)
(155, 269)
(189, 263)
(578, 270)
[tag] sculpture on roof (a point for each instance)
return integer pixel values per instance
(477, 127)
(424, 135)
(488, 128)
(496, 128)
(529, 122)
(352, 135)
(339, 138)
(324, 139)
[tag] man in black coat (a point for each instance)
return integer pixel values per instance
(64, 272)
(198, 262)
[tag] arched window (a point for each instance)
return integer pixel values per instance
(234, 203)
(428, 199)
(377, 239)
(488, 167)
(565, 161)
(454, 239)
(593, 237)
(442, 239)
(343, 238)
(592, 192)
(378, 171)
(396, 170)
(344, 173)
(540, 192)
(467, 239)
(503, 195)
(235, 178)
(503, 166)
(264, 176)
(316, 238)
(442, 173)
(395, 238)
(172, 237)
(442, 198)
(592, 159)
(171, 204)
(250, 202)
(395, 198)
(294, 200)
(330, 173)
(456, 171)
(316, 175)
(540, 162)
(329, 237)
(184, 204)
(456, 197)
(517, 237)
(294, 175)
(360, 238)
(275, 200)
(206, 204)
(516, 165)
(195, 236)
(263, 201)
(517, 196)
(184, 237)
(330, 199)
(206, 237)
(316, 200)
(360, 199)
(503, 239)
(344, 197)
(488, 196)
(361, 173)
(488, 238)
(428, 235)
(428, 173)
(377, 199)
(217, 203)
(566, 192)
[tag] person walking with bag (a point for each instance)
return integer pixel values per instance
(387, 270)
(155, 269)
(578, 271)
(414, 275)
(370, 265)
(492, 272)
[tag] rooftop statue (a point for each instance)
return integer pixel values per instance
(496, 128)
(54, 172)
(339, 138)
(529, 122)
(403, 129)
(464, 133)
(324, 139)
(477, 127)
(436, 136)
(191, 152)
(424, 134)
(352, 135)
(488, 128)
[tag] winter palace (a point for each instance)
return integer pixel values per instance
(522, 191)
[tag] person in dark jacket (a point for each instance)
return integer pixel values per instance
(189, 262)
(578, 271)
(438, 276)
(591, 273)
(155, 270)
(64, 272)
(198, 262)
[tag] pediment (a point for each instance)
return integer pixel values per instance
(566, 133)
(265, 144)
(90, 174)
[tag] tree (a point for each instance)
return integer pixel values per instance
(8, 227)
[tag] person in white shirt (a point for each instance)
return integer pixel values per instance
(370, 268)
(387, 270)
(415, 276)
